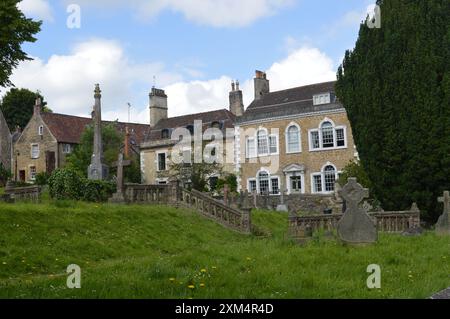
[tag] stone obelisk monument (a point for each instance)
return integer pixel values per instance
(97, 170)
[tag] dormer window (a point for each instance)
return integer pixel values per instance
(165, 133)
(320, 99)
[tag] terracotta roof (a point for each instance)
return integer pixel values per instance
(290, 102)
(68, 128)
(223, 116)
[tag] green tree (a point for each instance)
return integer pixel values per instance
(395, 85)
(354, 169)
(17, 107)
(112, 139)
(15, 29)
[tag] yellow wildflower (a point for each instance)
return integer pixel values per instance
(203, 270)
(191, 287)
(202, 285)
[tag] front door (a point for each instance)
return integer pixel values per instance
(50, 161)
(22, 176)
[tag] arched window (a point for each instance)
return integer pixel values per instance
(263, 180)
(324, 181)
(327, 135)
(263, 144)
(293, 139)
(329, 174)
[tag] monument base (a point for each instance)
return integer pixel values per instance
(98, 172)
(117, 198)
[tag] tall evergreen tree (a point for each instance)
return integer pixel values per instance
(395, 85)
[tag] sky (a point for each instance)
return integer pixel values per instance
(193, 49)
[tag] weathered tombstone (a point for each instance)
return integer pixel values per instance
(355, 226)
(97, 170)
(119, 197)
(443, 223)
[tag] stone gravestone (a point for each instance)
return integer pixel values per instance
(443, 224)
(97, 170)
(119, 197)
(355, 226)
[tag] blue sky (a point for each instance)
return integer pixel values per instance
(192, 47)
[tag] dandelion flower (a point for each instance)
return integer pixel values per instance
(4, 263)
(171, 279)
(214, 267)
(202, 285)
(203, 270)
(191, 287)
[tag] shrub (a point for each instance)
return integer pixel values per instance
(66, 184)
(97, 191)
(4, 175)
(42, 178)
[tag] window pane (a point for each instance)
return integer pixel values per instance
(327, 135)
(252, 186)
(317, 183)
(315, 140)
(273, 144)
(275, 186)
(162, 162)
(263, 183)
(263, 148)
(296, 183)
(330, 178)
(340, 137)
(251, 150)
(293, 139)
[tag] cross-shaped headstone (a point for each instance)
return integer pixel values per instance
(120, 164)
(443, 224)
(356, 226)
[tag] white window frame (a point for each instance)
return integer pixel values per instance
(299, 138)
(269, 177)
(300, 174)
(41, 130)
(33, 176)
(66, 151)
(249, 180)
(319, 131)
(251, 140)
(272, 177)
(157, 161)
(38, 151)
(322, 179)
(266, 142)
(322, 98)
(275, 136)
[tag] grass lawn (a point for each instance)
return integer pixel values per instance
(157, 252)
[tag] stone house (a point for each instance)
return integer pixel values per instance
(296, 140)
(49, 138)
(163, 140)
(5, 143)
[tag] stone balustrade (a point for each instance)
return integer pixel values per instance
(229, 217)
(151, 194)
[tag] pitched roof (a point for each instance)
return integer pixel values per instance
(290, 102)
(68, 128)
(223, 116)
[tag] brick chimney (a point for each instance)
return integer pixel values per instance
(158, 106)
(261, 84)
(37, 106)
(236, 99)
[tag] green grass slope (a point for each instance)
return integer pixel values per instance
(162, 252)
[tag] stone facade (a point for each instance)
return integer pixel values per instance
(36, 150)
(307, 161)
(5, 143)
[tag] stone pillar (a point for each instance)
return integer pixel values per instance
(97, 170)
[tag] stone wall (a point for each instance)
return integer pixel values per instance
(29, 193)
(5, 143)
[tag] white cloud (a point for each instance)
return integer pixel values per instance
(354, 18)
(217, 13)
(303, 66)
(67, 81)
(39, 9)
